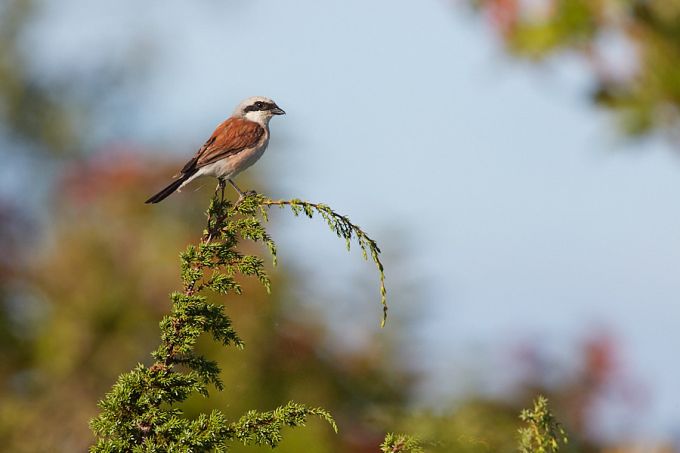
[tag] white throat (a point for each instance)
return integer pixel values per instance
(259, 116)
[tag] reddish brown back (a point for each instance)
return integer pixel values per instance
(230, 137)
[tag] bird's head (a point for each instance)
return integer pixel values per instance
(258, 109)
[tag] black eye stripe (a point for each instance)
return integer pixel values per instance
(259, 106)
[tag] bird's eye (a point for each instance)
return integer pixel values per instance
(259, 104)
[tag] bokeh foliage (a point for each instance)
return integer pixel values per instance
(632, 48)
(541, 434)
(32, 111)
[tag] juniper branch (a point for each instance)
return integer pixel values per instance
(140, 413)
(256, 428)
(343, 228)
(401, 443)
(543, 434)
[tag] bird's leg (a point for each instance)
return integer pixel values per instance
(241, 195)
(221, 185)
(233, 184)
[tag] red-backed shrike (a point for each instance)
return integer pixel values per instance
(236, 144)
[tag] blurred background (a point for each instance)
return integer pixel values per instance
(516, 160)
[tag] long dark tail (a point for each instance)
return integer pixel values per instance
(163, 194)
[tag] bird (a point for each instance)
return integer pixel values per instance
(236, 144)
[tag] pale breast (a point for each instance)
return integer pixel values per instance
(232, 165)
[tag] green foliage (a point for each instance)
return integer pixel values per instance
(646, 91)
(401, 443)
(256, 428)
(542, 434)
(478, 429)
(31, 111)
(140, 413)
(345, 229)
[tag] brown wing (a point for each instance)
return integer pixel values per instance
(230, 137)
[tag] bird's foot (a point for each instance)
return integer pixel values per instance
(243, 195)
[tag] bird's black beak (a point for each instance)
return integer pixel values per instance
(278, 111)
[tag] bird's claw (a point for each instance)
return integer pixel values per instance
(243, 195)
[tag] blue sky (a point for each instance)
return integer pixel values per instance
(521, 212)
